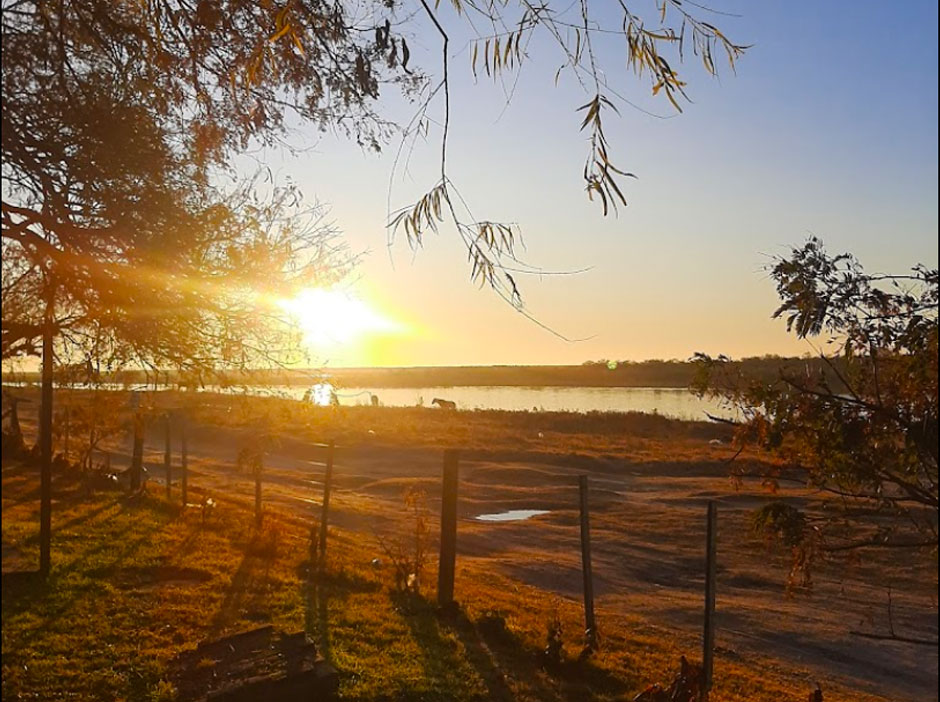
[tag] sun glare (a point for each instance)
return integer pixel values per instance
(330, 317)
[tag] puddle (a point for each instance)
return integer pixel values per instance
(512, 515)
(308, 500)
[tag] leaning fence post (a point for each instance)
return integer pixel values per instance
(184, 462)
(325, 514)
(708, 640)
(590, 625)
(259, 467)
(448, 557)
(168, 455)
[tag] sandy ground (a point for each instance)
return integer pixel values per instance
(648, 527)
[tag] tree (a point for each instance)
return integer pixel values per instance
(216, 75)
(117, 248)
(863, 427)
(120, 122)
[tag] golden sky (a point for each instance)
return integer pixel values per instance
(757, 163)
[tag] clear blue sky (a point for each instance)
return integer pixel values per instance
(829, 127)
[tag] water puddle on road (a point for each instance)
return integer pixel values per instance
(512, 515)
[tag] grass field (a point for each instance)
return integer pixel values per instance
(136, 580)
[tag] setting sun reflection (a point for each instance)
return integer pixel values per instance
(330, 317)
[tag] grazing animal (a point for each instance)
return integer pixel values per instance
(374, 399)
(444, 404)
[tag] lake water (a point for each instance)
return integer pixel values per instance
(670, 402)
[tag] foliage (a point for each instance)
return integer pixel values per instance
(115, 117)
(250, 460)
(163, 691)
(407, 550)
(579, 32)
(554, 653)
(781, 521)
(782, 524)
(685, 687)
(118, 116)
(865, 431)
(92, 421)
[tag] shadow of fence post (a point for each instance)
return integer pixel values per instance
(325, 513)
(448, 557)
(708, 638)
(590, 624)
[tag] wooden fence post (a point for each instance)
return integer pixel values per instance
(168, 454)
(184, 462)
(259, 467)
(137, 457)
(590, 624)
(448, 558)
(708, 639)
(45, 444)
(325, 513)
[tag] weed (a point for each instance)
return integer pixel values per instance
(408, 550)
(554, 654)
(163, 691)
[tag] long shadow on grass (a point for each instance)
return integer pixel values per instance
(322, 588)
(501, 659)
(236, 594)
(50, 599)
(85, 516)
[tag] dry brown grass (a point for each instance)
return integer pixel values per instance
(650, 477)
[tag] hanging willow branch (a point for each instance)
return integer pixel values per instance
(652, 51)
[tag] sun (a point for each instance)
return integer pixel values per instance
(329, 317)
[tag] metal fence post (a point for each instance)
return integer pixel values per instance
(708, 639)
(590, 624)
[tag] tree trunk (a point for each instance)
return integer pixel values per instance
(45, 443)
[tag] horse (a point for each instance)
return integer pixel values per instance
(444, 404)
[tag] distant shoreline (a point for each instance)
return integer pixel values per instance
(600, 374)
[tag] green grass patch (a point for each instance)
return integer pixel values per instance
(135, 581)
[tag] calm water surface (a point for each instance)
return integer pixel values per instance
(671, 402)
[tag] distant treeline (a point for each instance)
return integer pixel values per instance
(655, 373)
